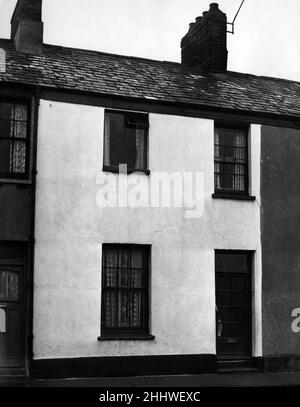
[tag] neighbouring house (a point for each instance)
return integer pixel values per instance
(92, 286)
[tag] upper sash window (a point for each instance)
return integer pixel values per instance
(125, 141)
(14, 136)
(231, 160)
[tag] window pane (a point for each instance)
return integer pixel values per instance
(228, 176)
(124, 278)
(3, 285)
(136, 317)
(21, 112)
(136, 259)
(9, 286)
(6, 128)
(111, 258)
(137, 120)
(217, 176)
(141, 158)
(217, 143)
(124, 258)
(239, 183)
(7, 111)
(228, 150)
(111, 277)
(131, 145)
(124, 309)
(110, 305)
(106, 151)
(19, 157)
(124, 268)
(136, 278)
(114, 139)
(13, 286)
(2, 320)
(5, 156)
(240, 154)
(239, 169)
(135, 148)
(137, 269)
(20, 129)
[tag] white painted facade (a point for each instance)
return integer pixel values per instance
(70, 229)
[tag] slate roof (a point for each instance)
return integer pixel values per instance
(108, 74)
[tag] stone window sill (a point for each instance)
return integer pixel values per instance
(107, 168)
(233, 196)
(133, 337)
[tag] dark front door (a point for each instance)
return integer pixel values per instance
(11, 307)
(233, 304)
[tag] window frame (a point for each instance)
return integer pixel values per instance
(11, 177)
(115, 169)
(235, 194)
(126, 333)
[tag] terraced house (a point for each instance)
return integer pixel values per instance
(89, 289)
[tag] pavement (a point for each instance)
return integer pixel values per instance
(286, 379)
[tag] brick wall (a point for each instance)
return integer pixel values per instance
(205, 44)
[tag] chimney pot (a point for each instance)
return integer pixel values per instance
(214, 7)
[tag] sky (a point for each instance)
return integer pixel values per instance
(266, 40)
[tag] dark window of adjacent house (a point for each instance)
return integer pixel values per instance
(13, 140)
(125, 290)
(231, 160)
(125, 140)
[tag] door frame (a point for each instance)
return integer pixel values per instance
(250, 261)
(26, 314)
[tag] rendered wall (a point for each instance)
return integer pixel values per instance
(71, 227)
(280, 194)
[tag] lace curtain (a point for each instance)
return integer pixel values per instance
(122, 296)
(9, 286)
(107, 140)
(14, 133)
(2, 320)
(239, 167)
(140, 149)
(226, 164)
(140, 159)
(19, 147)
(217, 164)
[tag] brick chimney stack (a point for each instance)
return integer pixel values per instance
(27, 26)
(205, 44)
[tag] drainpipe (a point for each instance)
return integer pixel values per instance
(32, 235)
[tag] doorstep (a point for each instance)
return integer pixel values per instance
(237, 366)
